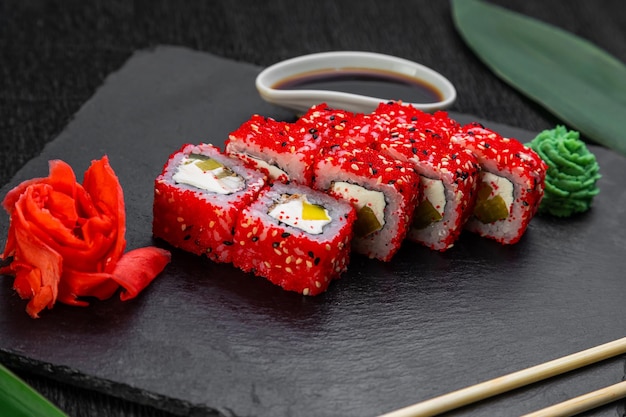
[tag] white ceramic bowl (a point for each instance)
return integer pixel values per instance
(302, 100)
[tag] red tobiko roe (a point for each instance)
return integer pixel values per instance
(66, 240)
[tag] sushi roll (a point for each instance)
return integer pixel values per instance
(448, 172)
(448, 175)
(283, 151)
(197, 198)
(325, 122)
(383, 191)
(510, 186)
(296, 237)
(395, 113)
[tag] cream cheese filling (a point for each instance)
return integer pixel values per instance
(207, 174)
(500, 186)
(361, 197)
(434, 192)
(274, 172)
(296, 211)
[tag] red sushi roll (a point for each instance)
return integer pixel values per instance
(326, 122)
(510, 187)
(395, 113)
(197, 198)
(384, 192)
(296, 237)
(283, 151)
(448, 172)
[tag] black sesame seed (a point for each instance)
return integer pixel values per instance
(187, 237)
(255, 238)
(312, 130)
(283, 144)
(275, 244)
(228, 243)
(285, 235)
(311, 254)
(316, 261)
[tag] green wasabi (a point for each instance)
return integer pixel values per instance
(573, 171)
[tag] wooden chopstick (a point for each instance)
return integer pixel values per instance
(583, 403)
(511, 381)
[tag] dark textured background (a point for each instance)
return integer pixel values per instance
(55, 54)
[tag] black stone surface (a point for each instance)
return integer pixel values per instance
(206, 339)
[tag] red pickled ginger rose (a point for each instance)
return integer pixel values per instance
(66, 240)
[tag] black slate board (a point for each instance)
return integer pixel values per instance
(206, 339)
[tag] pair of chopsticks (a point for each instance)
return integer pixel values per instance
(528, 376)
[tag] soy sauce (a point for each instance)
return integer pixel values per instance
(382, 84)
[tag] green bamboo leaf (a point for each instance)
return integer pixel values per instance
(17, 399)
(572, 78)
